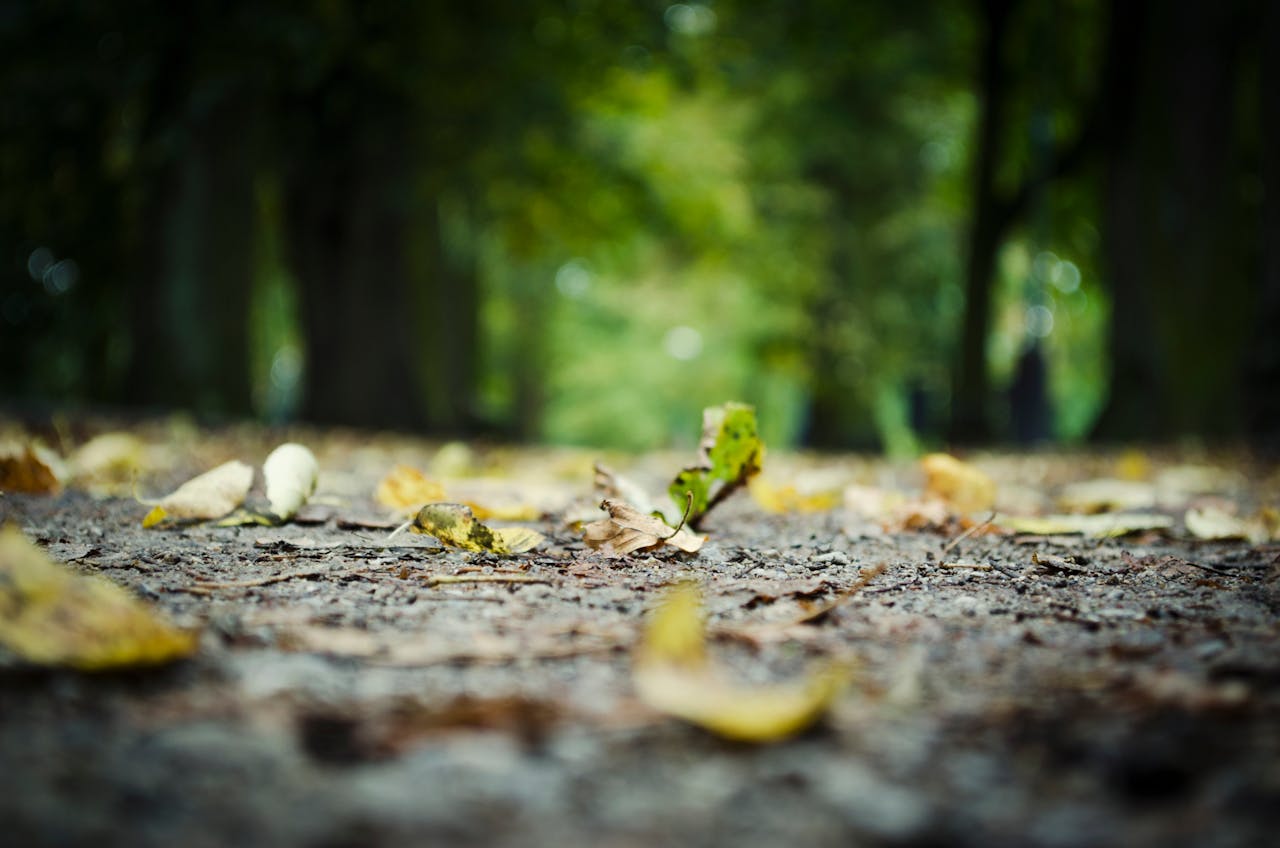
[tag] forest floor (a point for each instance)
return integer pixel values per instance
(1009, 690)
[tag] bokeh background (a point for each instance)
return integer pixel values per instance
(890, 225)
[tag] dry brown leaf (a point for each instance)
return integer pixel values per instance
(30, 468)
(628, 530)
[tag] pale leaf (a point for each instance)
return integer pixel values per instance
(211, 495)
(1107, 495)
(290, 475)
(1214, 524)
(50, 615)
(1101, 526)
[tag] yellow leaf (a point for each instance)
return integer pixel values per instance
(52, 616)
(108, 463)
(671, 674)
(787, 498)
(211, 495)
(1214, 524)
(405, 489)
(289, 474)
(962, 486)
(30, 468)
(505, 512)
(456, 526)
(628, 530)
(155, 516)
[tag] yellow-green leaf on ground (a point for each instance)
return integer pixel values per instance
(672, 674)
(1106, 525)
(52, 616)
(628, 530)
(730, 454)
(961, 485)
(406, 489)
(211, 495)
(456, 525)
(289, 474)
(788, 497)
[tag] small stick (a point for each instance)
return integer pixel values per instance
(441, 579)
(977, 566)
(947, 548)
(267, 581)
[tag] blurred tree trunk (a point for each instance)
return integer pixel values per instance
(970, 391)
(191, 307)
(1176, 234)
(346, 223)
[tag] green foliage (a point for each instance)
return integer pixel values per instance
(730, 453)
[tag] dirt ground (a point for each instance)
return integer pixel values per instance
(1117, 692)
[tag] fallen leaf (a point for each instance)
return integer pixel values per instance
(456, 525)
(613, 486)
(52, 616)
(31, 468)
(628, 530)
(1106, 525)
(1214, 524)
(776, 498)
(211, 495)
(405, 489)
(961, 485)
(1107, 495)
(108, 463)
(730, 453)
(672, 674)
(290, 474)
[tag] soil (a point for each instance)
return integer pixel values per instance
(1009, 691)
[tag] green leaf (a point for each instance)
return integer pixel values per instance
(730, 453)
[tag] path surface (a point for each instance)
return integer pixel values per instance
(1116, 693)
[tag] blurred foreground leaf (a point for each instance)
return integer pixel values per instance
(730, 453)
(961, 485)
(672, 675)
(30, 468)
(52, 616)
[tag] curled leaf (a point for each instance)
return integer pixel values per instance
(290, 474)
(673, 675)
(730, 454)
(961, 485)
(628, 530)
(211, 495)
(50, 615)
(456, 525)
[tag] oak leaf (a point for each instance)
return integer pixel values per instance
(628, 530)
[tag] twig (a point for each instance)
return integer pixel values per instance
(267, 581)
(977, 566)
(442, 579)
(947, 548)
(844, 597)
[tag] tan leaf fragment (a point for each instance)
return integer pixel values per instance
(213, 494)
(961, 485)
(1107, 495)
(289, 473)
(672, 674)
(52, 616)
(456, 525)
(628, 530)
